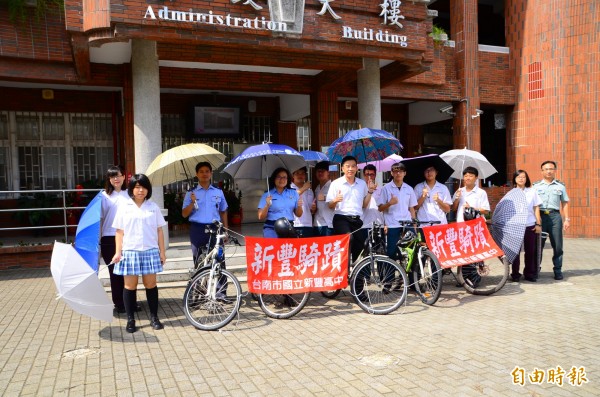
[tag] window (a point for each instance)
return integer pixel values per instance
(55, 150)
(534, 81)
(303, 134)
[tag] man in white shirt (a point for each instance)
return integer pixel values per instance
(371, 213)
(303, 223)
(324, 215)
(397, 202)
(470, 195)
(433, 198)
(348, 196)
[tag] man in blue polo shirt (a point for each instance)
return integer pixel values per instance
(204, 205)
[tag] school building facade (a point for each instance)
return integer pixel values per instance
(97, 82)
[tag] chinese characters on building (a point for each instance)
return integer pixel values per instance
(297, 265)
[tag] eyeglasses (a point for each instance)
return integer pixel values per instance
(369, 174)
(117, 177)
(398, 170)
(281, 177)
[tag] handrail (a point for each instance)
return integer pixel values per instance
(59, 194)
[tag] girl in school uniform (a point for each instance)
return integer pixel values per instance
(140, 248)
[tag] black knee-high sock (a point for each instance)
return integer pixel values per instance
(130, 302)
(152, 296)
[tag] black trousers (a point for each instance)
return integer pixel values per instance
(343, 224)
(117, 283)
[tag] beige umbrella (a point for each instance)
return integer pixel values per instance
(179, 163)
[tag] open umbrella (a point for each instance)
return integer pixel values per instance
(508, 223)
(384, 165)
(78, 284)
(415, 166)
(179, 163)
(88, 232)
(312, 157)
(459, 159)
(365, 144)
(259, 161)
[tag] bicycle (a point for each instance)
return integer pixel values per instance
(427, 277)
(377, 283)
(282, 306)
(483, 278)
(213, 296)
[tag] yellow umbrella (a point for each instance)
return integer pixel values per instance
(179, 163)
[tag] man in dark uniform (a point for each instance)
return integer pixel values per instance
(554, 211)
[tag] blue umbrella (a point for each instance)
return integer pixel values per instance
(259, 161)
(365, 144)
(312, 157)
(88, 232)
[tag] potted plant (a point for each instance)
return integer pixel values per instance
(439, 36)
(34, 201)
(174, 203)
(234, 206)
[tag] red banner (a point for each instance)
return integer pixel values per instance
(294, 265)
(461, 243)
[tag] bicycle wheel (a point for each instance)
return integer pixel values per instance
(210, 310)
(331, 294)
(429, 284)
(282, 305)
(381, 292)
(483, 278)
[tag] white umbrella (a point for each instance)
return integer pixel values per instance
(384, 165)
(77, 284)
(179, 163)
(459, 159)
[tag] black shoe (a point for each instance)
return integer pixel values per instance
(531, 279)
(120, 309)
(131, 328)
(155, 323)
(558, 277)
(515, 278)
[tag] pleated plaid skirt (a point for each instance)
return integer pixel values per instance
(136, 263)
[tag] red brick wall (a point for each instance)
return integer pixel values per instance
(37, 256)
(563, 125)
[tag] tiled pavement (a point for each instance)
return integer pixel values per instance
(465, 345)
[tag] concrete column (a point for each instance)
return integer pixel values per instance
(369, 94)
(146, 108)
(146, 112)
(463, 19)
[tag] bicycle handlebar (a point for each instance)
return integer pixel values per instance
(418, 223)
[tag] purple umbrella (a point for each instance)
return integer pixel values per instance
(365, 144)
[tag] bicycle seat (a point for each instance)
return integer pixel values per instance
(470, 213)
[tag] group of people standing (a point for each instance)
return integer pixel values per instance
(132, 241)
